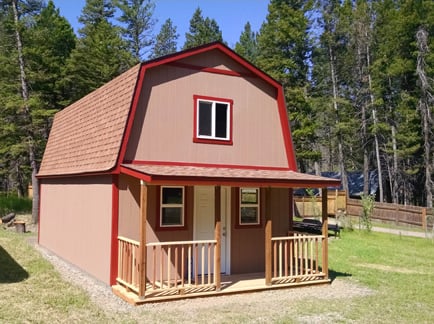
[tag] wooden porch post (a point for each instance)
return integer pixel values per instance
(217, 236)
(325, 233)
(291, 208)
(268, 236)
(142, 247)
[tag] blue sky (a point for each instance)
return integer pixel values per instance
(231, 15)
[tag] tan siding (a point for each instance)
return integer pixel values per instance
(280, 211)
(167, 131)
(129, 207)
(248, 244)
(75, 221)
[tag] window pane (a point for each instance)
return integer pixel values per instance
(249, 215)
(221, 120)
(172, 196)
(249, 196)
(205, 117)
(171, 216)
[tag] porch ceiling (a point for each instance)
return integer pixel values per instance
(202, 175)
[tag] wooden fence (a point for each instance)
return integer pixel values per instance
(338, 203)
(306, 206)
(399, 214)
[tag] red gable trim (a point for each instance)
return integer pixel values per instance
(211, 70)
(172, 58)
(284, 123)
(135, 174)
(131, 116)
(115, 230)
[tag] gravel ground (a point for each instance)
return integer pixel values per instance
(102, 295)
(259, 305)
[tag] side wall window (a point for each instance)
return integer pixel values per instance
(172, 206)
(212, 120)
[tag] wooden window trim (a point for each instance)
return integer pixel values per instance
(238, 224)
(159, 225)
(212, 140)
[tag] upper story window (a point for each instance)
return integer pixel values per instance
(213, 120)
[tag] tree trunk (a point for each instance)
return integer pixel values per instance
(375, 121)
(27, 116)
(425, 101)
(341, 160)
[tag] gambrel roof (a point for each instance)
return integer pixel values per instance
(91, 135)
(87, 135)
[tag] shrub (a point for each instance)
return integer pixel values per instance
(12, 203)
(367, 210)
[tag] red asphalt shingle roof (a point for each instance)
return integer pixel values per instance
(87, 135)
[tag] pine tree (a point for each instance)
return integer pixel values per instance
(137, 15)
(329, 91)
(166, 40)
(100, 53)
(202, 31)
(284, 49)
(247, 46)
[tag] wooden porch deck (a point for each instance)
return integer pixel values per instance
(230, 284)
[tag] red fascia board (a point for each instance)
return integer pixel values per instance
(114, 231)
(135, 174)
(131, 116)
(39, 212)
(212, 70)
(239, 182)
(207, 47)
(286, 131)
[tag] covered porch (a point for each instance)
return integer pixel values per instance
(151, 271)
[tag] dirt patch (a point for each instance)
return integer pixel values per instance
(387, 268)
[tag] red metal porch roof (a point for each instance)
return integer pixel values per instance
(197, 175)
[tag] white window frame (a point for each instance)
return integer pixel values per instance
(167, 205)
(213, 119)
(256, 205)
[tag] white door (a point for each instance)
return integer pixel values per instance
(204, 218)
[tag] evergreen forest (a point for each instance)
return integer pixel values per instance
(358, 77)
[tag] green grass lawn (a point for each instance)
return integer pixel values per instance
(399, 270)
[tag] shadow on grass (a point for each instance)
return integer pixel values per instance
(336, 274)
(10, 270)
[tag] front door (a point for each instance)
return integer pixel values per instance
(204, 218)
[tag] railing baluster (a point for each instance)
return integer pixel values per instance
(286, 258)
(202, 263)
(182, 274)
(169, 257)
(176, 267)
(275, 259)
(189, 264)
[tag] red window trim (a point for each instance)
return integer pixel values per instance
(158, 225)
(197, 139)
(238, 225)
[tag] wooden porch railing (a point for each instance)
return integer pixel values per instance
(181, 264)
(173, 265)
(128, 266)
(297, 258)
